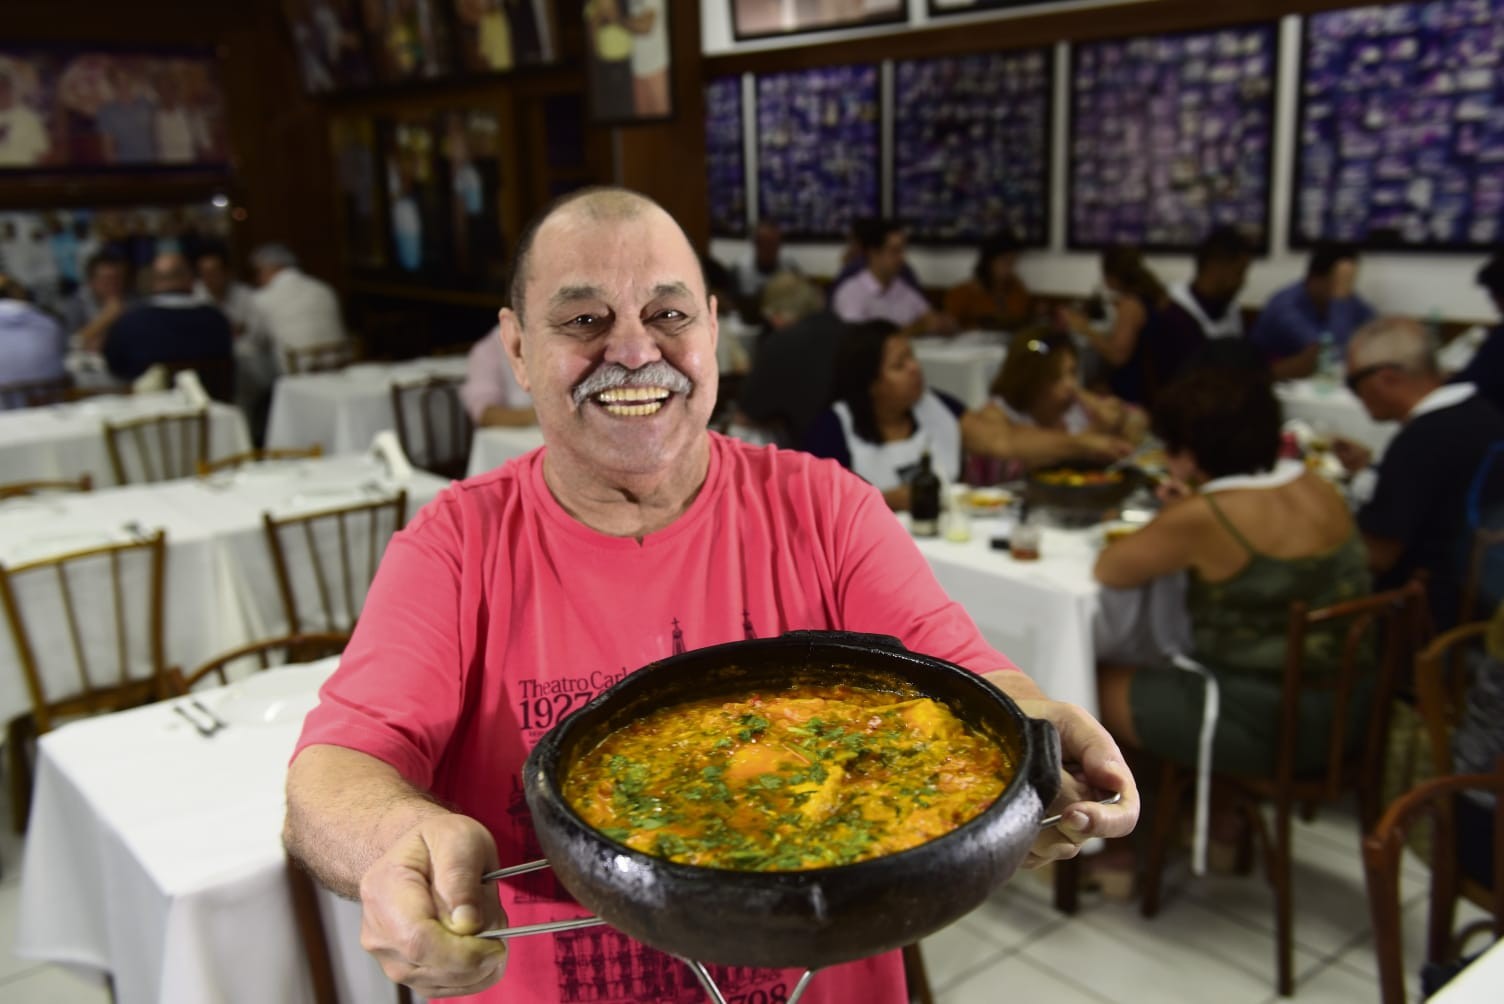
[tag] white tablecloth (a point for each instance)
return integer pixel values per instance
(67, 440)
(220, 589)
(963, 366)
(155, 854)
(342, 410)
(490, 448)
(1333, 410)
(1480, 983)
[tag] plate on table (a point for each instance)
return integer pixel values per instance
(335, 496)
(987, 501)
(268, 697)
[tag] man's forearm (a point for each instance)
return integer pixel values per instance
(344, 810)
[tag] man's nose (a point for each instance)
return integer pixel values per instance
(631, 344)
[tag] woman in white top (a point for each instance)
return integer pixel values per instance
(883, 419)
(1039, 414)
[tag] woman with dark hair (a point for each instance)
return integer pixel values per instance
(994, 297)
(1253, 533)
(883, 420)
(1039, 414)
(1138, 298)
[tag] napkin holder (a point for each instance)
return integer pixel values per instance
(191, 389)
(389, 453)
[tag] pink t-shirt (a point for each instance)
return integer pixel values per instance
(495, 613)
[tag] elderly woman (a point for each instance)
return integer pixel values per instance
(994, 297)
(1253, 534)
(883, 419)
(1039, 414)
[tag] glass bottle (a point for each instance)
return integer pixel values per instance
(924, 499)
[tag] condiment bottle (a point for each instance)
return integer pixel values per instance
(924, 500)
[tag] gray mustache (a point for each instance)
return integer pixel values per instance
(655, 374)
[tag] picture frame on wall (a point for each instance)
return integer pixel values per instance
(106, 109)
(497, 36)
(409, 39)
(774, 18)
(329, 43)
(629, 60)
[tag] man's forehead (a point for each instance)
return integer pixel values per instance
(647, 254)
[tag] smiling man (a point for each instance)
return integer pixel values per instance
(518, 595)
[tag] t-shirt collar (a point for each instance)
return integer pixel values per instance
(1284, 472)
(1448, 395)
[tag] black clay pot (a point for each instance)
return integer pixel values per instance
(1094, 499)
(808, 919)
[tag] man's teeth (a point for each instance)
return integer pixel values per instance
(632, 394)
(633, 410)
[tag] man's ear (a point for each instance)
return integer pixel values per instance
(509, 330)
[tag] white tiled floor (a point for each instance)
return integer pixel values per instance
(1213, 939)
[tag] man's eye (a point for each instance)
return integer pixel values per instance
(584, 320)
(671, 315)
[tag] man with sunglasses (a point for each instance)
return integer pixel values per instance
(1416, 518)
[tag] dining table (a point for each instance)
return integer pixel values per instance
(493, 446)
(343, 410)
(962, 365)
(66, 440)
(220, 590)
(154, 854)
(1331, 410)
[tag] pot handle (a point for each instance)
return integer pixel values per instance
(1044, 765)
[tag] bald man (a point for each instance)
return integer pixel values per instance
(172, 326)
(631, 532)
(1417, 518)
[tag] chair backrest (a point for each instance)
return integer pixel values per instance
(216, 374)
(330, 556)
(1385, 846)
(238, 460)
(265, 654)
(1378, 635)
(320, 358)
(16, 489)
(87, 627)
(35, 393)
(432, 425)
(158, 447)
(1441, 687)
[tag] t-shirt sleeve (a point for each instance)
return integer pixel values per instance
(884, 585)
(1398, 506)
(825, 439)
(398, 691)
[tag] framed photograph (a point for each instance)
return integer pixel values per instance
(91, 110)
(330, 44)
(355, 164)
(629, 60)
(725, 163)
(408, 39)
(1400, 141)
(819, 150)
(470, 165)
(494, 36)
(1171, 136)
(415, 197)
(939, 8)
(770, 18)
(971, 146)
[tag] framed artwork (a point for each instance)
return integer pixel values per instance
(470, 165)
(408, 39)
(1171, 136)
(771, 18)
(494, 36)
(971, 147)
(1401, 127)
(629, 61)
(414, 196)
(725, 162)
(819, 149)
(330, 44)
(355, 160)
(103, 109)
(939, 8)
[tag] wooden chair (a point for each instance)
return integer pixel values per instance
(915, 976)
(94, 599)
(238, 460)
(303, 541)
(1387, 620)
(163, 447)
(35, 393)
(310, 921)
(17, 489)
(320, 358)
(440, 442)
(268, 654)
(1383, 850)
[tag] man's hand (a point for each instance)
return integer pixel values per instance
(422, 902)
(1354, 456)
(1095, 769)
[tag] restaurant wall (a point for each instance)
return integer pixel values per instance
(1420, 285)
